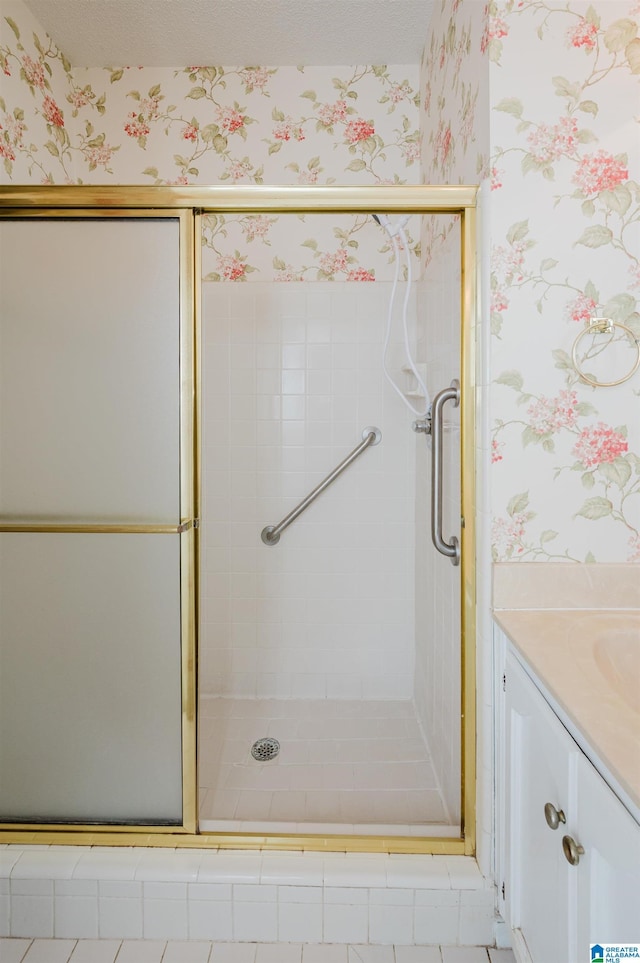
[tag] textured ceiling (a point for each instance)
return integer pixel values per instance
(172, 33)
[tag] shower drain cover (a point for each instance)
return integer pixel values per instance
(264, 749)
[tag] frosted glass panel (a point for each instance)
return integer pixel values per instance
(89, 369)
(90, 693)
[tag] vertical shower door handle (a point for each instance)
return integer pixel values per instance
(450, 549)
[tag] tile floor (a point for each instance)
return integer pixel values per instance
(343, 766)
(156, 951)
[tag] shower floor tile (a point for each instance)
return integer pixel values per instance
(342, 767)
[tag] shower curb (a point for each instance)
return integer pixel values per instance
(244, 896)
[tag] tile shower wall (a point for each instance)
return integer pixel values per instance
(437, 683)
(292, 375)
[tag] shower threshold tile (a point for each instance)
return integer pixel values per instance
(339, 829)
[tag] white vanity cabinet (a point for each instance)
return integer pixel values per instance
(571, 851)
(609, 872)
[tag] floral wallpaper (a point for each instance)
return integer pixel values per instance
(217, 124)
(539, 96)
(565, 226)
(454, 90)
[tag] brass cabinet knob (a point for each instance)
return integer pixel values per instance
(572, 850)
(553, 816)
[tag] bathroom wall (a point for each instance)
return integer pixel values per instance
(210, 125)
(565, 237)
(292, 376)
(35, 78)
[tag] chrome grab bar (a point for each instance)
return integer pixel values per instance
(270, 535)
(450, 549)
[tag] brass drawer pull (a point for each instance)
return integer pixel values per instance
(572, 850)
(553, 816)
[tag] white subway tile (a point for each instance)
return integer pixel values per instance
(210, 920)
(47, 864)
(125, 890)
(210, 891)
(345, 923)
(31, 916)
(5, 923)
(464, 872)
(300, 921)
(116, 864)
(255, 922)
(165, 919)
(419, 872)
(31, 887)
(76, 916)
(436, 924)
(476, 925)
(345, 896)
(230, 868)
(391, 924)
(76, 887)
(8, 858)
(171, 891)
(120, 918)
(255, 894)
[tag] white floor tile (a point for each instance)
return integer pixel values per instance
(464, 954)
(418, 954)
(371, 954)
(325, 953)
(233, 953)
(279, 953)
(13, 951)
(501, 956)
(49, 951)
(186, 952)
(141, 951)
(95, 951)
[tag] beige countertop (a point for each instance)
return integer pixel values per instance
(588, 662)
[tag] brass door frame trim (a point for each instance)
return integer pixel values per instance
(162, 838)
(255, 198)
(156, 201)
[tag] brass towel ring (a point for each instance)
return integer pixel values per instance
(604, 326)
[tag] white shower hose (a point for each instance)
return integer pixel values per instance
(398, 239)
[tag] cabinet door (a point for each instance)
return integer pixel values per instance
(609, 870)
(541, 760)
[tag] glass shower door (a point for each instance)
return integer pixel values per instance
(96, 520)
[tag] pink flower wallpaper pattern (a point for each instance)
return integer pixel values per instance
(565, 225)
(215, 124)
(541, 98)
(454, 89)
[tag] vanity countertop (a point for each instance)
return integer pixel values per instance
(587, 661)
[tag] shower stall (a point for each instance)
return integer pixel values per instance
(223, 617)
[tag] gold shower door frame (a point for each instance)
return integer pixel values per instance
(188, 204)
